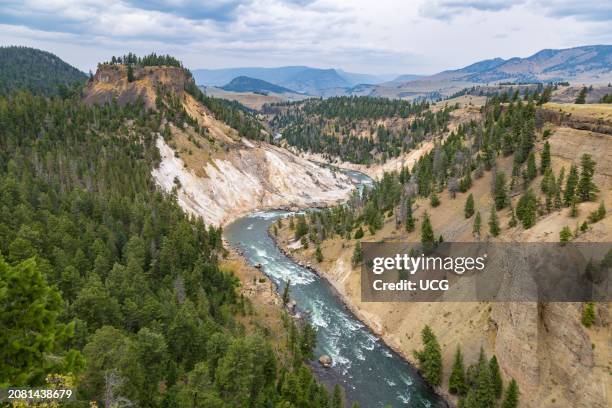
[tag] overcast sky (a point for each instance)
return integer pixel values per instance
(369, 36)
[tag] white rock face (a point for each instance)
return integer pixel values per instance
(251, 177)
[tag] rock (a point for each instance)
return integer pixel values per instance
(325, 360)
(291, 305)
(258, 266)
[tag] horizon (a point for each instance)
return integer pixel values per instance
(359, 37)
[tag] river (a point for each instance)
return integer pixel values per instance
(370, 372)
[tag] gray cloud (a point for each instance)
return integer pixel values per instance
(447, 9)
(595, 11)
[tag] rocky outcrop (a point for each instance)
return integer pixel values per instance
(110, 82)
(252, 176)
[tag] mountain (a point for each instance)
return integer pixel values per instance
(248, 84)
(586, 64)
(40, 72)
(314, 81)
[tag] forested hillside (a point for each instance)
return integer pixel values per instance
(40, 72)
(359, 130)
(106, 282)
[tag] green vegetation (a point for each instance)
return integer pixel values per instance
(332, 126)
(512, 395)
(565, 235)
(457, 382)
(469, 206)
(581, 98)
(147, 61)
(588, 314)
(430, 358)
(494, 228)
(36, 71)
(122, 288)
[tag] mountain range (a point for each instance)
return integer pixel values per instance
(303, 79)
(586, 64)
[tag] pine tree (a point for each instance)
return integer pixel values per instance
(427, 235)
(457, 383)
(526, 209)
(286, 292)
(484, 389)
(357, 254)
(29, 311)
(494, 222)
(500, 194)
(588, 314)
(565, 234)
(570, 186)
(598, 214)
(476, 227)
(434, 199)
(545, 157)
(512, 396)
(130, 73)
(496, 377)
(430, 358)
(469, 206)
(586, 188)
(359, 233)
(409, 217)
(581, 98)
(532, 171)
(337, 399)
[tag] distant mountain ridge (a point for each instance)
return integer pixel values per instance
(37, 71)
(303, 79)
(578, 63)
(248, 84)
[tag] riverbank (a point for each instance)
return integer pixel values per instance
(367, 320)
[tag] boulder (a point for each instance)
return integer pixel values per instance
(325, 360)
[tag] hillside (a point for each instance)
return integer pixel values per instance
(588, 64)
(556, 360)
(247, 84)
(107, 286)
(37, 71)
(214, 154)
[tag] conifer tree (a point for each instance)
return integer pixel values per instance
(545, 158)
(337, 400)
(130, 73)
(359, 233)
(500, 193)
(457, 382)
(469, 206)
(427, 235)
(565, 234)
(588, 314)
(496, 377)
(526, 209)
(512, 395)
(434, 199)
(570, 186)
(430, 358)
(581, 98)
(286, 292)
(586, 188)
(409, 217)
(494, 222)
(483, 387)
(532, 171)
(357, 254)
(477, 222)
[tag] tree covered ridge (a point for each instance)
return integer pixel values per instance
(37, 71)
(331, 126)
(127, 295)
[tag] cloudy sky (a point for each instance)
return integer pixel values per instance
(370, 36)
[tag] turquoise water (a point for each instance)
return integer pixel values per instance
(370, 372)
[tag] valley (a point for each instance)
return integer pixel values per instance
(199, 245)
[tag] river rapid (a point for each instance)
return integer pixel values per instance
(369, 371)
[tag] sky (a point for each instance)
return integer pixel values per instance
(365, 36)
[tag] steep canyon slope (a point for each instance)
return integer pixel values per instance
(216, 172)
